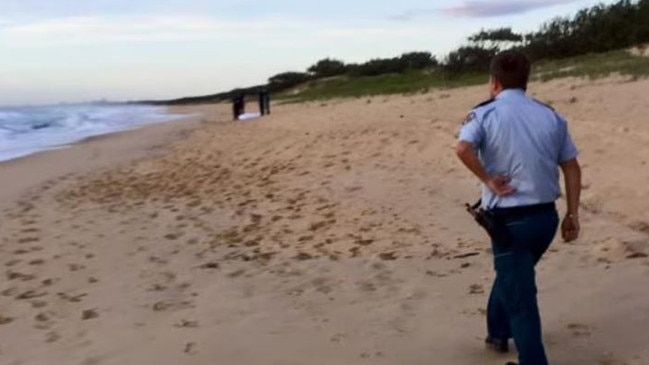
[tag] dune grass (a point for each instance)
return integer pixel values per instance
(592, 66)
(405, 83)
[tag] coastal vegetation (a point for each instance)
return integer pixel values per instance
(592, 43)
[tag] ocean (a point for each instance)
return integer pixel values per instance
(28, 130)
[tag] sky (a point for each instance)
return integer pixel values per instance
(73, 51)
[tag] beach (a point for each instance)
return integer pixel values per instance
(330, 232)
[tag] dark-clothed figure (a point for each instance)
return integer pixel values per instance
(264, 102)
(238, 105)
(235, 107)
(516, 146)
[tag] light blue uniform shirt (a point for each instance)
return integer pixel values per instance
(519, 137)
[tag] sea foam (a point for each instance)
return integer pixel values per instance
(27, 130)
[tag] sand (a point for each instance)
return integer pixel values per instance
(327, 233)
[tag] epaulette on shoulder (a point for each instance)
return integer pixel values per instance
(544, 104)
(487, 102)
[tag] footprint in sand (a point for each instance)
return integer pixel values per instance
(38, 304)
(72, 298)
(579, 330)
(186, 324)
(158, 260)
(51, 337)
(476, 289)
(213, 265)
(13, 291)
(13, 263)
(388, 256)
(28, 240)
(190, 348)
(161, 306)
(43, 320)
(48, 282)
(13, 275)
(236, 274)
(5, 320)
(338, 337)
(76, 267)
(173, 236)
(89, 314)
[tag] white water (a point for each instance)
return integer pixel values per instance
(27, 130)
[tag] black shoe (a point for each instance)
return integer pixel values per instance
(499, 345)
(512, 363)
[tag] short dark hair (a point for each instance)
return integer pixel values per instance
(511, 69)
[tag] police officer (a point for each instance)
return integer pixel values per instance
(516, 146)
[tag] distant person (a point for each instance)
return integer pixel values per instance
(238, 105)
(516, 145)
(235, 108)
(242, 103)
(264, 102)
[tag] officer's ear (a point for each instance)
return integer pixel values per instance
(492, 86)
(495, 87)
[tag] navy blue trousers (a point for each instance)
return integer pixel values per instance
(513, 311)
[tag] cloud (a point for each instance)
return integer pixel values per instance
(494, 8)
(411, 14)
(84, 30)
(483, 9)
(152, 28)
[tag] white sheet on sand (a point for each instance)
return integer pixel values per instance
(248, 116)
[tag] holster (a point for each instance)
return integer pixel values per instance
(492, 223)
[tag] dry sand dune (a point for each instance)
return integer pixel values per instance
(328, 233)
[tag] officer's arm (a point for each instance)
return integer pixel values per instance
(499, 185)
(468, 157)
(572, 175)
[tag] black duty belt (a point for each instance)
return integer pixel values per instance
(494, 220)
(524, 210)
